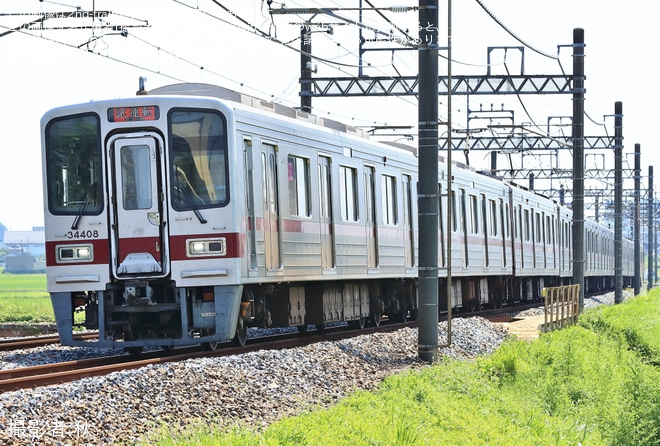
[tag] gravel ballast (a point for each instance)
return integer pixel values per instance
(256, 388)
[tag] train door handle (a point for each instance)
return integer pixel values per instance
(154, 218)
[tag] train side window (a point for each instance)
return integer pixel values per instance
(493, 218)
(485, 215)
(474, 217)
(516, 223)
(528, 234)
(454, 212)
(389, 200)
(441, 226)
(464, 215)
(348, 193)
(299, 186)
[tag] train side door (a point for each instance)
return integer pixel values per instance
(325, 218)
(253, 264)
(272, 221)
(138, 222)
(370, 220)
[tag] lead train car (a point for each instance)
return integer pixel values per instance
(186, 215)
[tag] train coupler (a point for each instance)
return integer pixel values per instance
(138, 293)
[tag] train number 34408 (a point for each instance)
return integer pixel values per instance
(82, 234)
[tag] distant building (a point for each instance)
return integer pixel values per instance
(25, 242)
(24, 263)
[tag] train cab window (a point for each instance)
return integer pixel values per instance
(73, 165)
(389, 200)
(299, 187)
(198, 159)
(348, 194)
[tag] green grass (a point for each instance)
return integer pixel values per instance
(597, 383)
(22, 283)
(23, 298)
(26, 310)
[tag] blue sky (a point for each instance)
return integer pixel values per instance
(199, 41)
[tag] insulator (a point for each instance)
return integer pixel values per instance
(401, 40)
(399, 8)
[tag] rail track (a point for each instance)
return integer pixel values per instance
(37, 341)
(62, 372)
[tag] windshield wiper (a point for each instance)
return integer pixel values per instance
(190, 201)
(83, 206)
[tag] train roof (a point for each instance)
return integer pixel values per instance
(216, 91)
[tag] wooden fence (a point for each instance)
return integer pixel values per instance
(561, 306)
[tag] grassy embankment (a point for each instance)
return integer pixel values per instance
(23, 298)
(597, 383)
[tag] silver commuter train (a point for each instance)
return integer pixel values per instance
(188, 214)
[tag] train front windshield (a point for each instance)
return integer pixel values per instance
(197, 160)
(74, 165)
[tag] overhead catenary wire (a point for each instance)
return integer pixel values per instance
(246, 26)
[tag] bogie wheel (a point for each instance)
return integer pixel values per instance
(240, 338)
(210, 346)
(129, 336)
(358, 324)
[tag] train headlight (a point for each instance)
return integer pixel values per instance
(207, 247)
(74, 253)
(197, 248)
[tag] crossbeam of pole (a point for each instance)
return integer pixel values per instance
(460, 85)
(519, 142)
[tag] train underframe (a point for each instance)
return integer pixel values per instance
(138, 314)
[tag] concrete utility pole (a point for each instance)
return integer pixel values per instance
(618, 202)
(428, 181)
(578, 162)
(638, 248)
(306, 68)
